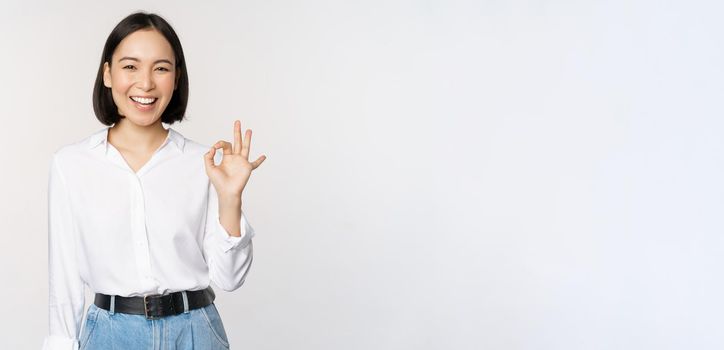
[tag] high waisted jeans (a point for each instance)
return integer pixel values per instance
(194, 329)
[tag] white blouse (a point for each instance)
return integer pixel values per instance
(129, 233)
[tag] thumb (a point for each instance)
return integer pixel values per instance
(209, 158)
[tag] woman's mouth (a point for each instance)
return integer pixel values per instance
(144, 103)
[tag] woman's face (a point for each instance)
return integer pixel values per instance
(142, 76)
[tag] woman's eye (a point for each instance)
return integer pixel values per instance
(129, 67)
(163, 69)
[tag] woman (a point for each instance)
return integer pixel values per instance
(142, 215)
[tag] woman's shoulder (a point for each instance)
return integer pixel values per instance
(194, 148)
(95, 138)
(74, 153)
(191, 145)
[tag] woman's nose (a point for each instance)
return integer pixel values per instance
(145, 81)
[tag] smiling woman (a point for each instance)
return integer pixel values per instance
(142, 215)
(143, 75)
(144, 54)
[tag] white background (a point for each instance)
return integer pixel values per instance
(440, 174)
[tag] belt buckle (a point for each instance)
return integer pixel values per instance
(145, 306)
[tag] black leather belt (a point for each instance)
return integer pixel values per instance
(156, 306)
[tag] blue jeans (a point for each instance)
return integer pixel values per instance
(194, 329)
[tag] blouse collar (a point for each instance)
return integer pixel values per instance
(101, 137)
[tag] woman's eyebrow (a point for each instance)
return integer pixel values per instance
(137, 60)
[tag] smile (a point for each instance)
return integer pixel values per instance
(144, 104)
(144, 100)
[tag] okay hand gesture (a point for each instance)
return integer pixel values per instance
(231, 175)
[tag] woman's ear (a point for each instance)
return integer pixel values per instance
(106, 75)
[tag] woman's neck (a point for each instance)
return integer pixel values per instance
(127, 135)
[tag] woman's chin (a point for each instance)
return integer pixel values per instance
(141, 120)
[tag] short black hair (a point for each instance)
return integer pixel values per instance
(105, 109)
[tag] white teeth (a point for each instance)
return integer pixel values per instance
(142, 100)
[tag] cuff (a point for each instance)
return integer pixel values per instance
(54, 342)
(228, 241)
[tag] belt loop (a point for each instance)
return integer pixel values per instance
(113, 305)
(186, 301)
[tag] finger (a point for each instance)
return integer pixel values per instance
(237, 137)
(246, 145)
(209, 158)
(258, 162)
(226, 146)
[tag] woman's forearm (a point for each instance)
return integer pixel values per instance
(230, 214)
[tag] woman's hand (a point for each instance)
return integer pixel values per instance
(231, 175)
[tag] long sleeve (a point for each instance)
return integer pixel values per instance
(66, 288)
(229, 258)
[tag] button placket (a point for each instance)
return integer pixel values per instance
(140, 234)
